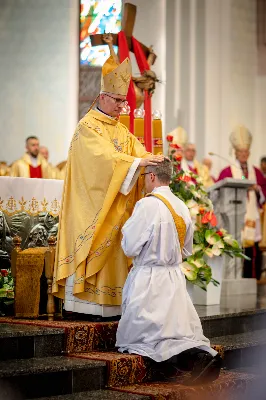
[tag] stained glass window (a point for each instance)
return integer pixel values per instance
(97, 17)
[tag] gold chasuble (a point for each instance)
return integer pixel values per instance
(93, 210)
(22, 168)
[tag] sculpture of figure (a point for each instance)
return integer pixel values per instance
(146, 81)
(38, 236)
(51, 225)
(5, 234)
(6, 242)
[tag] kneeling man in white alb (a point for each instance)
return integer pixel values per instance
(158, 319)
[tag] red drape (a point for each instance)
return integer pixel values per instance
(131, 96)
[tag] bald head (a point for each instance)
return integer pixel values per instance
(44, 152)
(190, 151)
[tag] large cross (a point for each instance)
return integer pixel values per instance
(128, 22)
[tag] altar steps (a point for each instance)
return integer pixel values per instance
(34, 360)
(19, 341)
(38, 377)
(243, 349)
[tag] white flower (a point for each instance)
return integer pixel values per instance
(197, 247)
(208, 252)
(190, 271)
(191, 203)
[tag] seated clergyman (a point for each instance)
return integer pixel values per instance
(158, 319)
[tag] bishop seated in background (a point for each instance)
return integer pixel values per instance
(32, 164)
(102, 185)
(241, 140)
(158, 319)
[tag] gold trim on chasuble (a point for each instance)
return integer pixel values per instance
(179, 222)
(101, 275)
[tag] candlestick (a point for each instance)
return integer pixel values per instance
(139, 124)
(124, 117)
(157, 132)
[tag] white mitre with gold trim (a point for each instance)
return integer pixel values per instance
(179, 136)
(241, 138)
(116, 77)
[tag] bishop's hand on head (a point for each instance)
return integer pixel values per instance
(152, 160)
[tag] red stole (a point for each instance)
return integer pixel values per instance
(35, 172)
(194, 170)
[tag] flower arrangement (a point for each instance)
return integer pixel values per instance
(6, 290)
(209, 240)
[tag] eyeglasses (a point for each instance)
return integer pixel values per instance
(146, 173)
(118, 101)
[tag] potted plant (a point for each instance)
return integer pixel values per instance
(210, 242)
(6, 292)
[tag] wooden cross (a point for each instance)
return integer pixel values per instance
(128, 22)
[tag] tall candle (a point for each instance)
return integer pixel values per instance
(125, 120)
(157, 133)
(124, 117)
(139, 124)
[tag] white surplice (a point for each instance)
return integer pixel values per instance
(158, 318)
(73, 303)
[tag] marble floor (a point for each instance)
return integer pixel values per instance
(236, 304)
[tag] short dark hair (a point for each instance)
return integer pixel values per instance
(162, 170)
(263, 159)
(31, 137)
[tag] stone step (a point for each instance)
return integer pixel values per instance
(243, 349)
(232, 323)
(98, 395)
(86, 336)
(51, 376)
(26, 341)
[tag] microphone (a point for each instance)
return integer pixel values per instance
(225, 159)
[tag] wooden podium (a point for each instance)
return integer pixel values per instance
(229, 198)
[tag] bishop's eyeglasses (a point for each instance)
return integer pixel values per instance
(117, 101)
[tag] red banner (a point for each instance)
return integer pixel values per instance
(131, 96)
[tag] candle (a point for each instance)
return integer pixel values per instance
(157, 134)
(125, 120)
(124, 117)
(139, 124)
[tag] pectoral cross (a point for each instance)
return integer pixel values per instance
(128, 22)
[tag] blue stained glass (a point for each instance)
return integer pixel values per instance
(97, 17)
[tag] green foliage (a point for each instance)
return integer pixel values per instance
(209, 240)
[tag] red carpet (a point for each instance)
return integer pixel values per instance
(80, 336)
(230, 385)
(132, 373)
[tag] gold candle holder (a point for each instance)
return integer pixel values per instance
(139, 124)
(124, 117)
(157, 132)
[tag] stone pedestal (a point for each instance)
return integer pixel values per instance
(243, 286)
(230, 208)
(229, 200)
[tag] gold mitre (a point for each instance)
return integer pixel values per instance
(116, 77)
(241, 138)
(179, 136)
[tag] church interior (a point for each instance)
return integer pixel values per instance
(95, 94)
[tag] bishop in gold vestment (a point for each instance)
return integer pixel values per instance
(102, 185)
